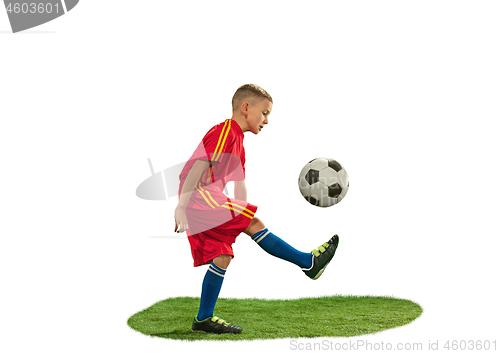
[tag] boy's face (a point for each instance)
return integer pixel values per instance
(257, 115)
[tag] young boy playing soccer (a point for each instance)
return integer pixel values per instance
(213, 220)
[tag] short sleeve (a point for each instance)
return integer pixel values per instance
(223, 149)
(219, 142)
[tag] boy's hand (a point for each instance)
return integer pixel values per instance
(181, 223)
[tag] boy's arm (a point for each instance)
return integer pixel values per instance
(240, 190)
(187, 189)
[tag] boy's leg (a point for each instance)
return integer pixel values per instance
(275, 246)
(212, 283)
(313, 263)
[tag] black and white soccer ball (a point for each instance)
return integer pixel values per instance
(323, 182)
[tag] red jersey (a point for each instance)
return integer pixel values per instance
(214, 219)
(223, 147)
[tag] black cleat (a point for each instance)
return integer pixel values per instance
(322, 256)
(215, 325)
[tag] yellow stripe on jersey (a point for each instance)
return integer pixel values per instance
(240, 207)
(247, 212)
(212, 199)
(242, 213)
(220, 137)
(201, 190)
(228, 205)
(228, 127)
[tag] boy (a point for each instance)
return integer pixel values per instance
(213, 221)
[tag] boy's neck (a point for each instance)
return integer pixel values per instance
(241, 122)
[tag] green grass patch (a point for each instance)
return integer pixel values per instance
(331, 316)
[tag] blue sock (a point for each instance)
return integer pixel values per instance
(272, 244)
(210, 291)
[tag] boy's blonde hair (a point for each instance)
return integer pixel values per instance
(250, 93)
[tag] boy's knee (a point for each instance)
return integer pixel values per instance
(255, 225)
(222, 261)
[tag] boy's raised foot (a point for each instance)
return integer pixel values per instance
(215, 325)
(322, 256)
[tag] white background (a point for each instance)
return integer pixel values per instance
(403, 94)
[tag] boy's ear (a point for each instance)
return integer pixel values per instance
(244, 108)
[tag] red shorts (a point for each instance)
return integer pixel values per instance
(214, 222)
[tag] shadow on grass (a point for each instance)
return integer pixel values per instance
(331, 316)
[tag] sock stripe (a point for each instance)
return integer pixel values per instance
(262, 237)
(258, 233)
(259, 236)
(213, 271)
(217, 270)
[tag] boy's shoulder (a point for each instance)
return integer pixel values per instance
(226, 130)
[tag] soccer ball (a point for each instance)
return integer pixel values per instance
(323, 182)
